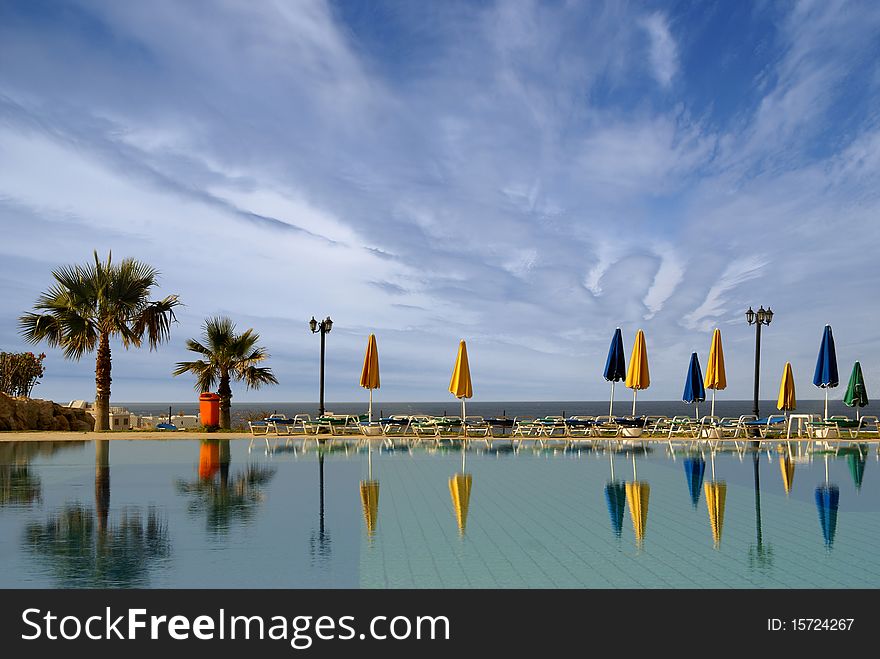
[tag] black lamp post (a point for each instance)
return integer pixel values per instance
(323, 327)
(758, 318)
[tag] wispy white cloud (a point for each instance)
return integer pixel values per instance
(713, 306)
(662, 47)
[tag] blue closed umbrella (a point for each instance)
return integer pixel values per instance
(694, 390)
(615, 365)
(694, 468)
(826, 375)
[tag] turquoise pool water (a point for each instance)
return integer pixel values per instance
(180, 513)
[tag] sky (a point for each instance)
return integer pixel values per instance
(526, 176)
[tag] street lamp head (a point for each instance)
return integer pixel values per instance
(769, 315)
(328, 324)
(750, 316)
(313, 324)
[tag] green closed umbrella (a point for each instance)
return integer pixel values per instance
(856, 394)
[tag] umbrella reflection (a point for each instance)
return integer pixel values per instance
(370, 497)
(716, 496)
(83, 547)
(637, 495)
(460, 491)
(786, 466)
(222, 497)
(694, 469)
(855, 459)
(615, 498)
(827, 503)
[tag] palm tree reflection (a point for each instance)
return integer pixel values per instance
(224, 498)
(85, 549)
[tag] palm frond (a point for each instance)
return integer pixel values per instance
(255, 377)
(206, 374)
(155, 321)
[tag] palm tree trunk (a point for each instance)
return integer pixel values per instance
(225, 393)
(102, 384)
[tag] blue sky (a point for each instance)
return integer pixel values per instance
(524, 175)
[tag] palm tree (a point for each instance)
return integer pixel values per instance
(228, 356)
(89, 304)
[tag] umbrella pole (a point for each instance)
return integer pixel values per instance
(713, 401)
(635, 391)
(826, 403)
(371, 406)
(611, 406)
(463, 424)
(696, 410)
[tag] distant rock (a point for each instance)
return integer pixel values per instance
(37, 414)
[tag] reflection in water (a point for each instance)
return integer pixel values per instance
(460, 491)
(761, 555)
(84, 549)
(637, 495)
(827, 502)
(855, 459)
(716, 496)
(694, 469)
(786, 466)
(370, 497)
(320, 542)
(615, 498)
(19, 484)
(222, 497)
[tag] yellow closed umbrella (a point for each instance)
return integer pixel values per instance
(787, 401)
(460, 490)
(716, 378)
(716, 494)
(460, 384)
(637, 494)
(786, 466)
(370, 371)
(637, 377)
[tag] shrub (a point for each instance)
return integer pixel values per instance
(20, 371)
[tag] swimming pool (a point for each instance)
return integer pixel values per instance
(186, 514)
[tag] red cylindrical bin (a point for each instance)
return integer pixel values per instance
(209, 409)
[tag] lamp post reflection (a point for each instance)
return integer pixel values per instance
(320, 543)
(760, 555)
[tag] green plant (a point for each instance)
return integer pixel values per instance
(20, 372)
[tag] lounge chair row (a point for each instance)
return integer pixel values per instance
(708, 428)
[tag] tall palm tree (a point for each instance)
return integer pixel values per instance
(227, 356)
(89, 304)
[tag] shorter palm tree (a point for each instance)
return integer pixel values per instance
(227, 356)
